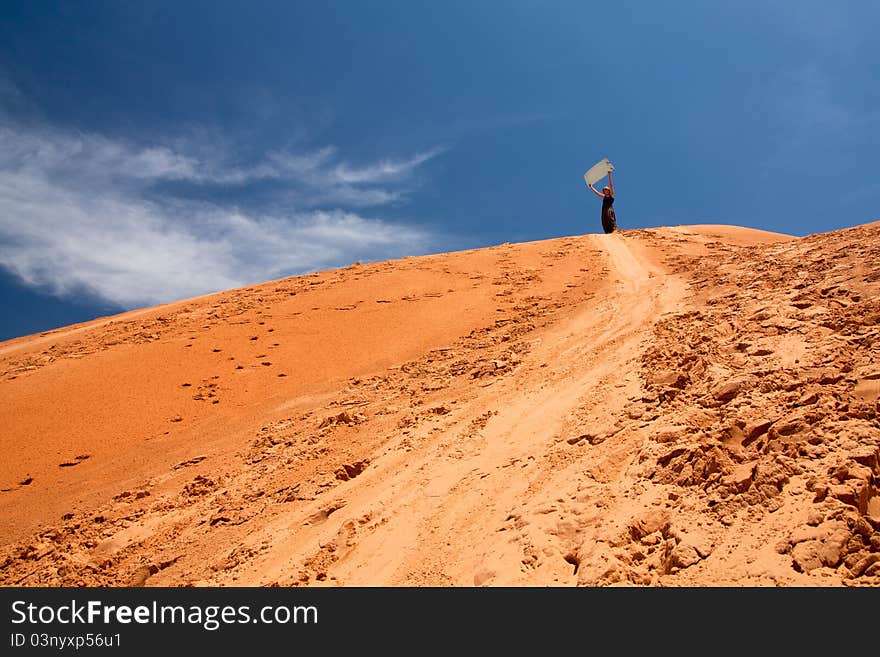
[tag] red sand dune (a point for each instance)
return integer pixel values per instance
(689, 405)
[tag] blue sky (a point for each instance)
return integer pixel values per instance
(155, 151)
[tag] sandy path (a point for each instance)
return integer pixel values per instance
(437, 515)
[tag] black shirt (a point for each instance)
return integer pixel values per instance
(607, 202)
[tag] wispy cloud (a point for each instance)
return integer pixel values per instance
(89, 159)
(85, 212)
(384, 171)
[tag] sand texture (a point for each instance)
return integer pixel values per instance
(677, 406)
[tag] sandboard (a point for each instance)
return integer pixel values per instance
(598, 171)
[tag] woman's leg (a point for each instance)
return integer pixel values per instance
(608, 222)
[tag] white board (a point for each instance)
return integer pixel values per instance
(598, 171)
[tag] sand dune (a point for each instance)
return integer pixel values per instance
(677, 406)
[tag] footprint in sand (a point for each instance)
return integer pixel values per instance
(76, 461)
(192, 461)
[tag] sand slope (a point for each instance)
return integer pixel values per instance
(694, 405)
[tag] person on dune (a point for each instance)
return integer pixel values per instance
(609, 220)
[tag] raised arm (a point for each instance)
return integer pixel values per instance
(599, 194)
(610, 183)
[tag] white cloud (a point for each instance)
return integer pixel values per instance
(54, 155)
(81, 212)
(89, 159)
(384, 171)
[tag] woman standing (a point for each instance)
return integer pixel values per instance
(609, 221)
